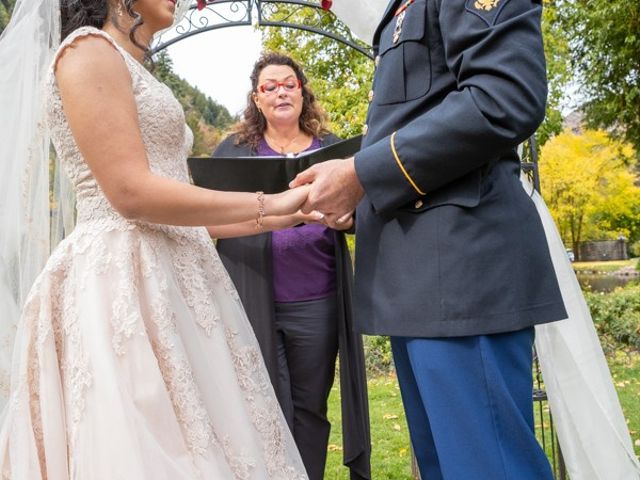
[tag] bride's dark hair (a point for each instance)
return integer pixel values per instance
(94, 13)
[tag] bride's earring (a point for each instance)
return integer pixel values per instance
(119, 11)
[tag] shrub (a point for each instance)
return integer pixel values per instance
(378, 357)
(616, 316)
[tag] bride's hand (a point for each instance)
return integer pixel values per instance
(288, 221)
(344, 223)
(287, 202)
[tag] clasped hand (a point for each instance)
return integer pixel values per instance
(283, 210)
(334, 190)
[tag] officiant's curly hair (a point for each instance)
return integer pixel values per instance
(250, 130)
(95, 13)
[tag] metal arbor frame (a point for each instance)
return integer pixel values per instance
(308, 15)
(305, 15)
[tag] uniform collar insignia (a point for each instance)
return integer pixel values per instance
(487, 10)
(486, 5)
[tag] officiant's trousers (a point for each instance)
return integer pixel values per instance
(307, 349)
(469, 406)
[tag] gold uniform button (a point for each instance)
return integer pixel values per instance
(419, 204)
(371, 95)
(365, 129)
(377, 60)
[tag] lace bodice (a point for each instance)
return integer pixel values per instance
(167, 138)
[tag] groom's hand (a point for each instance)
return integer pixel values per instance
(335, 189)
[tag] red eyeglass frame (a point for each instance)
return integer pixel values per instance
(278, 85)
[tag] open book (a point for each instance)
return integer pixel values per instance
(268, 174)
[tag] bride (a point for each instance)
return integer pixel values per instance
(133, 356)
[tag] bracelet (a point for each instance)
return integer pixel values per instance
(260, 217)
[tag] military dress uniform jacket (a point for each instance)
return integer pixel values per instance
(448, 241)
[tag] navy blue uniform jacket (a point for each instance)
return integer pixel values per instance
(448, 241)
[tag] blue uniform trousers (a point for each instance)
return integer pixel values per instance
(469, 408)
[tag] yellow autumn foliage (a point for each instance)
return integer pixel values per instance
(588, 182)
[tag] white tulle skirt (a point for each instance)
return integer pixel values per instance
(586, 412)
(134, 360)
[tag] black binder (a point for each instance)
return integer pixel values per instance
(268, 174)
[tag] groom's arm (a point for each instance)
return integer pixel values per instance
(497, 58)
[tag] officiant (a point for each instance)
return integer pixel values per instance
(295, 283)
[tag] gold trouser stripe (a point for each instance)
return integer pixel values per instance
(395, 155)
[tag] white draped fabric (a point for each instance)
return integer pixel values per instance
(361, 16)
(586, 412)
(26, 48)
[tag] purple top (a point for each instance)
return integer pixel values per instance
(304, 260)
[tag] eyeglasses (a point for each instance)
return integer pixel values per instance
(272, 87)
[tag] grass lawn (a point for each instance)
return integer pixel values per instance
(604, 267)
(625, 369)
(391, 457)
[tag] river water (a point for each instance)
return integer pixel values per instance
(603, 283)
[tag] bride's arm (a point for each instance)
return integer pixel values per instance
(245, 229)
(270, 224)
(98, 102)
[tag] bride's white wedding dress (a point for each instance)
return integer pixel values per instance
(134, 359)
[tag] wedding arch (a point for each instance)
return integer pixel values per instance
(262, 13)
(313, 17)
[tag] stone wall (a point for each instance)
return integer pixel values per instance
(602, 250)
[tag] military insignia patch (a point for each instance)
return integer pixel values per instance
(487, 10)
(486, 4)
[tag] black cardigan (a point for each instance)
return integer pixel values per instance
(249, 263)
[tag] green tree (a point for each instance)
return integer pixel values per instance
(556, 47)
(605, 54)
(339, 76)
(589, 186)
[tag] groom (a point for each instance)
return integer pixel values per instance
(451, 257)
